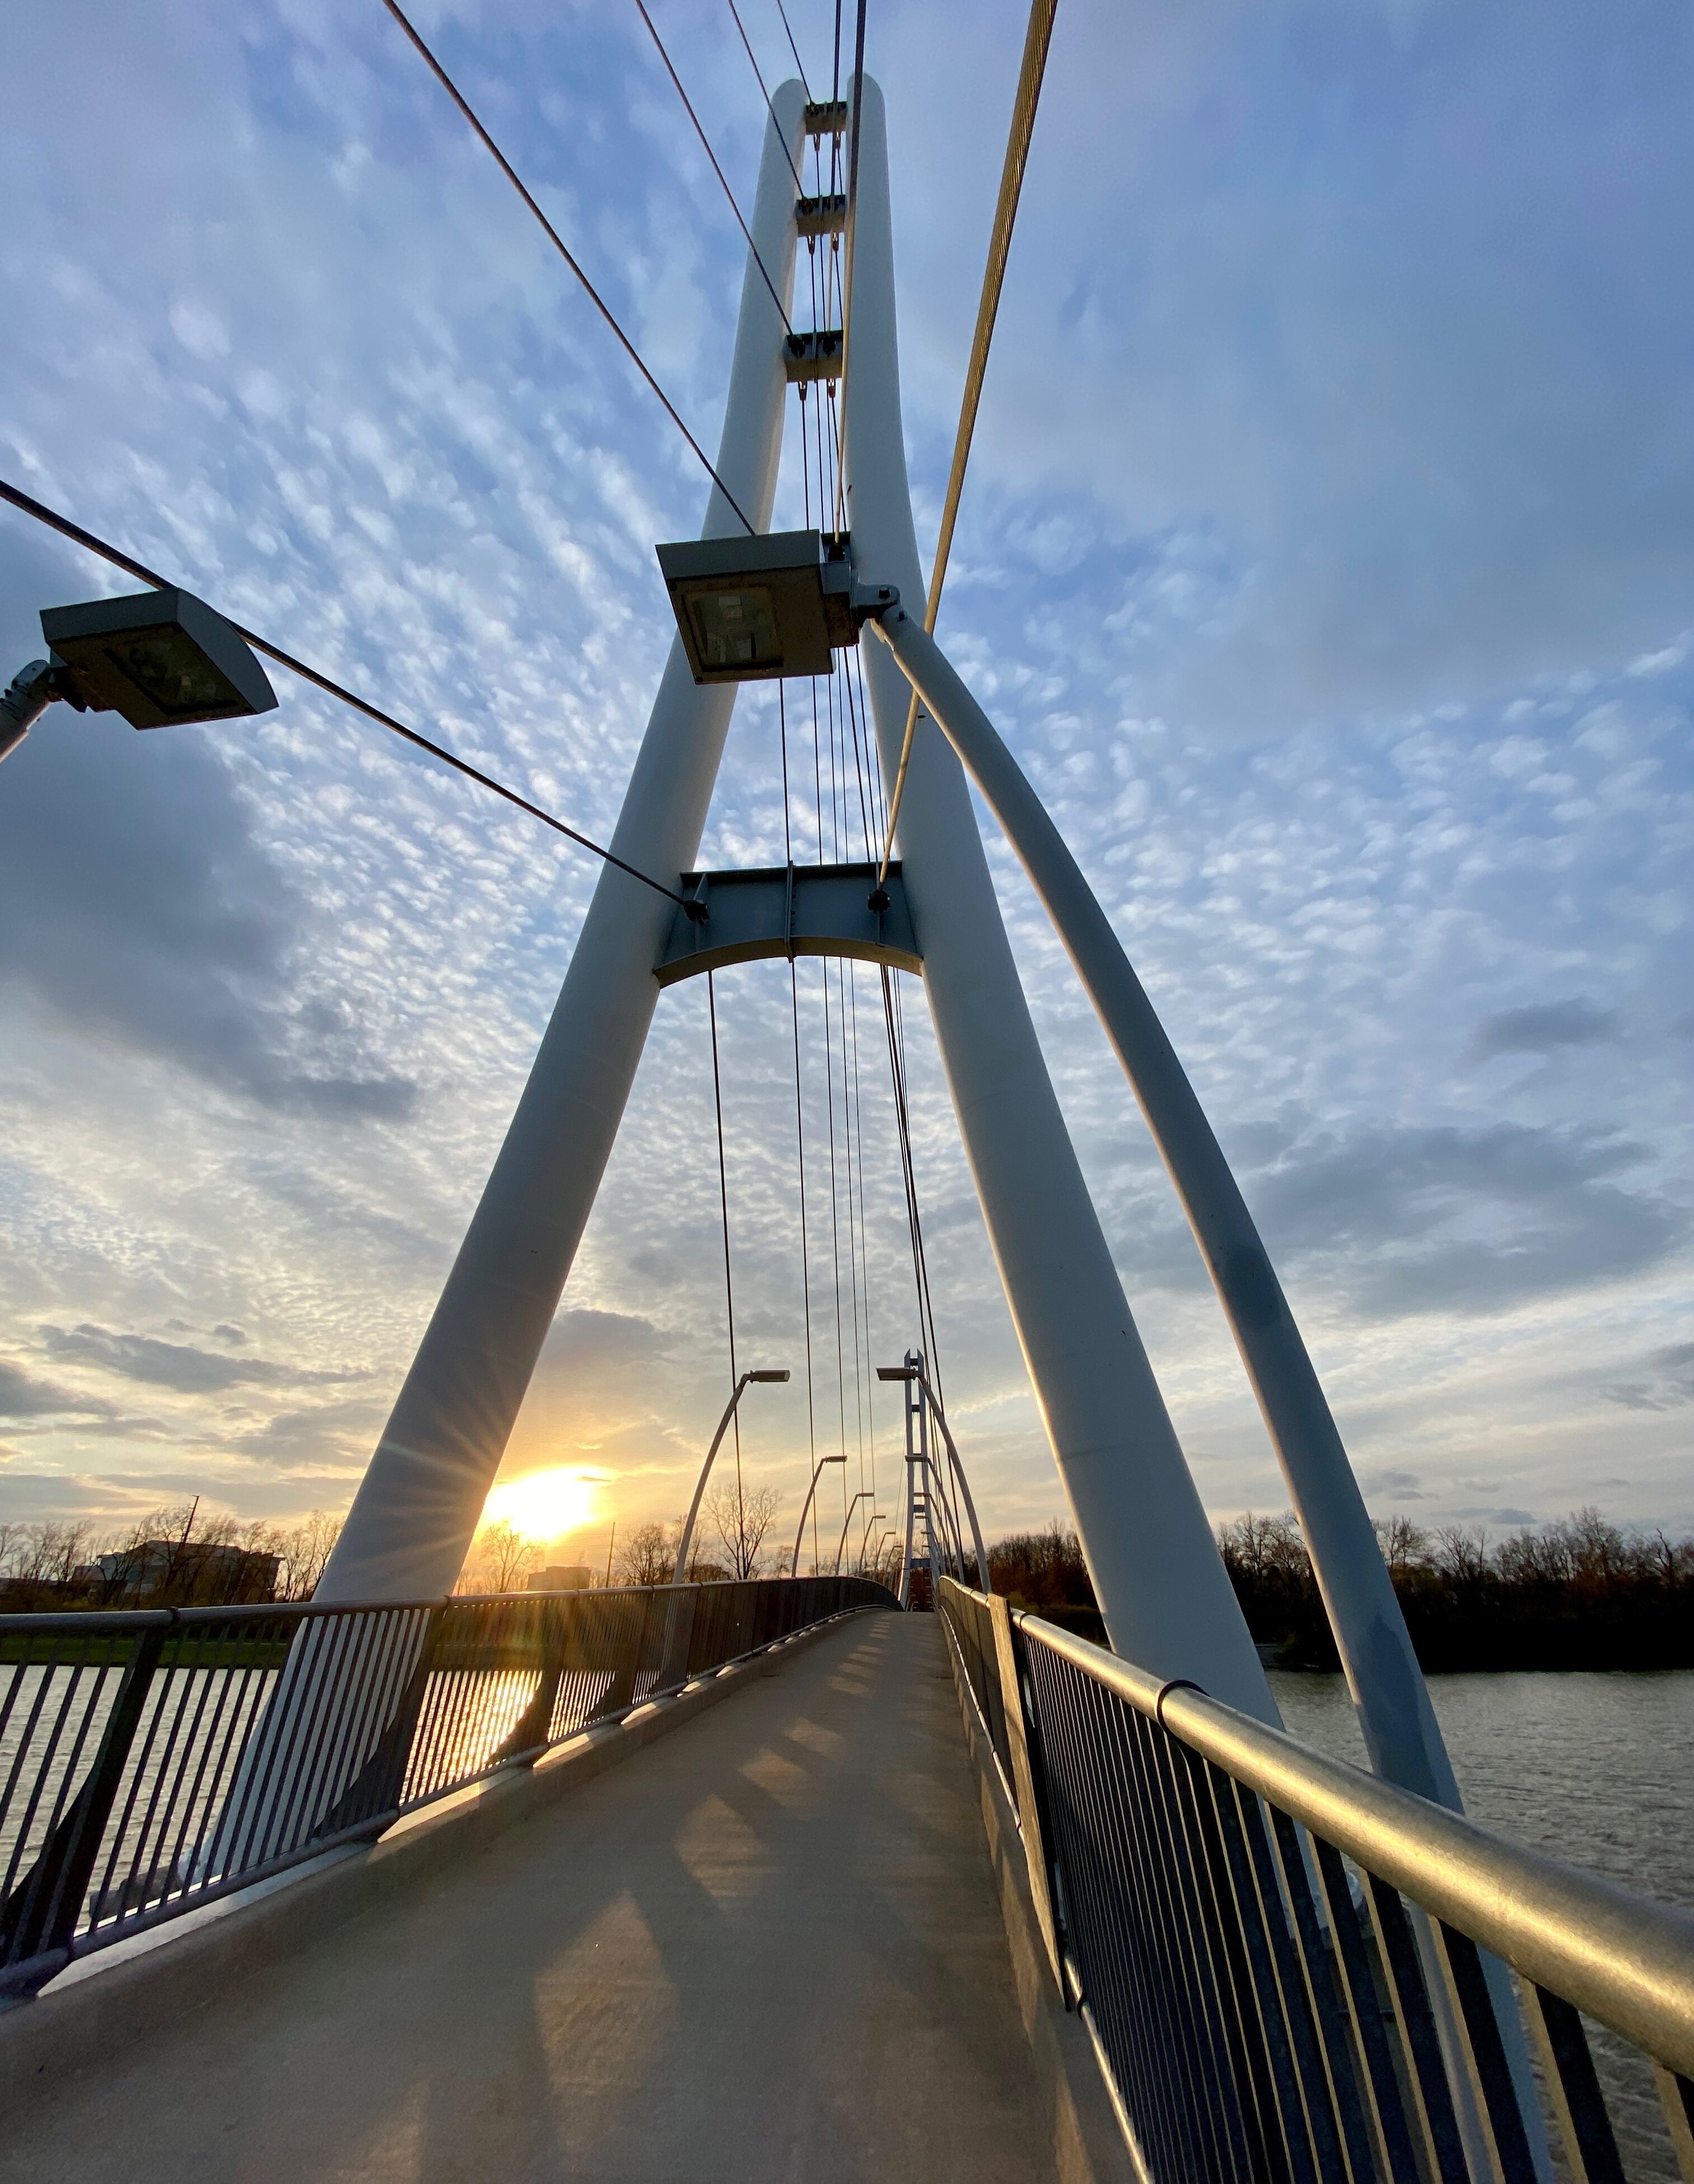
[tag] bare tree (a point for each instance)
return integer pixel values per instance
(305, 1550)
(499, 1560)
(741, 1516)
(647, 1556)
(1405, 1546)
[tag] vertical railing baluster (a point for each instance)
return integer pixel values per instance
(1485, 2057)
(1432, 2098)
(51, 1905)
(1676, 2098)
(1579, 2106)
(1380, 2078)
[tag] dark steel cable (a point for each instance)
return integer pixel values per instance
(87, 540)
(829, 1079)
(864, 1230)
(800, 1128)
(1036, 41)
(926, 1310)
(729, 1278)
(765, 96)
(558, 242)
(794, 50)
(689, 107)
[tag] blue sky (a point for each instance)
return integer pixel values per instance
(1327, 557)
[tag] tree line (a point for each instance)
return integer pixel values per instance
(1579, 1593)
(175, 1557)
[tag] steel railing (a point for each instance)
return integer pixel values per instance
(1282, 1960)
(152, 1760)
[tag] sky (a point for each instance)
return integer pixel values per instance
(1326, 558)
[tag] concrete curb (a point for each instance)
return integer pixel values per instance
(103, 2001)
(1087, 2141)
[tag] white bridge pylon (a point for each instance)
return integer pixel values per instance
(1167, 1601)
(1166, 1597)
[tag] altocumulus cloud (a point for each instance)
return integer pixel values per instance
(135, 905)
(1326, 558)
(180, 1366)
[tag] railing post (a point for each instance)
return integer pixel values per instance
(1035, 1847)
(39, 1919)
(374, 1795)
(679, 1628)
(530, 1733)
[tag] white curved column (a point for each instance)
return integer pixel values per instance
(1399, 1723)
(418, 1505)
(1166, 1596)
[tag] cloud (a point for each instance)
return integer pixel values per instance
(333, 1439)
(1388, 1482)
(1542, 1027)
(1666, 1384)
(1450, 1219)
(137, 906)
(1334, 473)
(177, 1365)
(24, 1396)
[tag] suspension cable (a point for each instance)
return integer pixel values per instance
(1036, 41)
(87, 539)
(558, 242)
(769, 109)
(729, 1278)
(689, 107)
(799, 1137)
(794, 50)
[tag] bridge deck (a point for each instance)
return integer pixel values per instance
(765, 1947)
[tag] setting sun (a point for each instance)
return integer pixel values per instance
(543, 1505)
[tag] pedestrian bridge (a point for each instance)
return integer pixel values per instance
(881, 1894)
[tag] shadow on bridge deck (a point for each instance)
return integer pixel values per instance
(767, 1946)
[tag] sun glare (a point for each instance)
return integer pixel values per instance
(543, 1505)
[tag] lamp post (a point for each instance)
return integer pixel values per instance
(687, 1538)
(805, 1506)
(863, 1494)
(917, 1372)
(160, 658)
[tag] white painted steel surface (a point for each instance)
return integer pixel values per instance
(1401, 1735)
(1399, 1723)
(1162, 1588)
(419, 1503)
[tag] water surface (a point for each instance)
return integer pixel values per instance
(1598, 1769)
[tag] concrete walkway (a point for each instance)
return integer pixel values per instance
(765, 1947)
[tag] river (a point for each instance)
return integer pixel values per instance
(1597, 1770)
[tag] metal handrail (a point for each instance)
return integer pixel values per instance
(152, 1760)
(85, 1619)
(1292, 1970)
(1625, 1959)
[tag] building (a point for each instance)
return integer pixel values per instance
(561, 1577)
(193, 1572)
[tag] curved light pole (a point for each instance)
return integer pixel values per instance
(680, 1573)
(805, 1506)
(917, 1372)
(863, 1494)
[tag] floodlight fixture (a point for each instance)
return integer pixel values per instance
(776, 604)
(160, 658)
(768, 1373)
(897, 1373)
